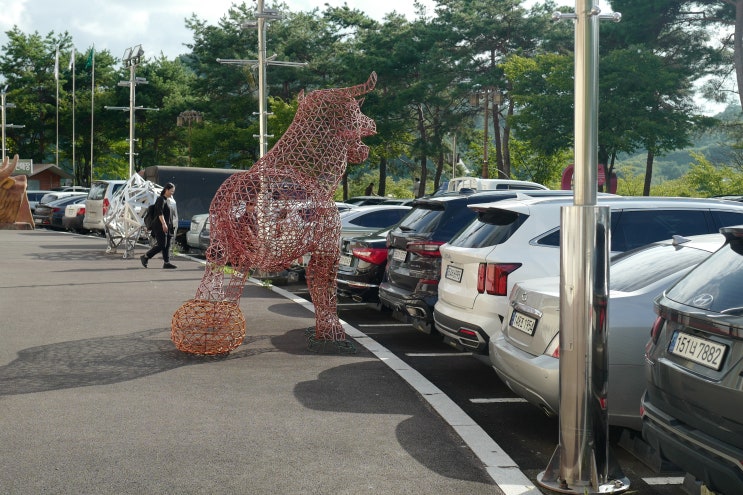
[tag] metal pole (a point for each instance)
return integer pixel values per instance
(3, 123)
(581, 462)
(132, 84)
(485, 172)
(262, 102)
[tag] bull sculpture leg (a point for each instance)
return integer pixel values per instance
(279, 210)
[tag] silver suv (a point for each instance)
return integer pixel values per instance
(519, 239)
(694, 361)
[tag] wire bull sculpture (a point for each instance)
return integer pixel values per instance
(274, 213)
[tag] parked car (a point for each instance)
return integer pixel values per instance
(519, 239)
(365, 200)
(192, 236)
(99, 200)
(34, 197)
(525, 351)
(344, 206)
(410, 285)
(81, 189)
(73, 217)
(55, 195)
(361, 267)
(50, 214)
(476, 184)
(367, 219)
(398, 201)
(694, 358)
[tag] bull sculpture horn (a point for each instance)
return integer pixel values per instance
(362, 89)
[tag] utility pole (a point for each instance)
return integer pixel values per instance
(131, 59)
(262, 15)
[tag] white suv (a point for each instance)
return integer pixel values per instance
(99, 199)
(518, 239)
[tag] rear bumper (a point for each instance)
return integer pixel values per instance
(535, 378)
(713, 462)
(414, 308)
(463, 335)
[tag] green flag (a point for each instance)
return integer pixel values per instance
(89, 62)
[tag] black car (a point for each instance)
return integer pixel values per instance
(51, 214)
(410, 285)
(361, 267)
(691, 410)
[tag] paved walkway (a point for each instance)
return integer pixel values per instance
(95, 399)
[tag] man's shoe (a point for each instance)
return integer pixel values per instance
(144, 260)
(169, 265)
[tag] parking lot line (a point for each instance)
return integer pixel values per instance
(437, 354)
(503, 400)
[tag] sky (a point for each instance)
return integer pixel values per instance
(159, 25)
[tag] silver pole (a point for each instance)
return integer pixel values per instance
(581, 462)
(3, 123)
(132, 96)
(262, 102)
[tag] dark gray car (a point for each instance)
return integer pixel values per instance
(694, 362)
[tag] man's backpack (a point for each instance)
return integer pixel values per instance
(149, 216)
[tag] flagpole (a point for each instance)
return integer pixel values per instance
(56, 77)
(92, 108)
(72, 67)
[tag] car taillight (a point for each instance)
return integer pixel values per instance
(106, 204)
(493, 277)
(81, 211)
(375, 256)
(56, 209)
(655, 329)
(425, 248)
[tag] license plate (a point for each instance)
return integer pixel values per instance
(524, 323)
(453, 273)
(399, 254)
(702, 351)
(345, 260)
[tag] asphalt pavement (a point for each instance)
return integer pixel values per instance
(96, 399)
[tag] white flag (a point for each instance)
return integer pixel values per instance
(56, 64)
(72, 60)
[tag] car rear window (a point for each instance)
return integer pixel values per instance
(716, 284)
(491, 227)
(423, 218)
(629, 271)
(97, 191)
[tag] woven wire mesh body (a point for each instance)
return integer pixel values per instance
(123, 220)
(276, 212)
(15, 212)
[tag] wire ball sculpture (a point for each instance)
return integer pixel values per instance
(274, 213)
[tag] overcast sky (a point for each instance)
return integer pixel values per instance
(157, 24)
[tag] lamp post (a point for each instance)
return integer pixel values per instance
(262, 15)
(3, 105)
(131, 59)
(189, 117)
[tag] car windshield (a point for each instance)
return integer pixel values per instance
(629, 272)
(491, 227)
(716, 284)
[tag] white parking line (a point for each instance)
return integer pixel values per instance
(673, 480)
(499, 465)
(503, 400)
(437, 354)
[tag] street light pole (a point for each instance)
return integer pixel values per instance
(3, 105)
(262, 15)
(131, 59)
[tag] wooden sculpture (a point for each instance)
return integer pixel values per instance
(15, 212)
